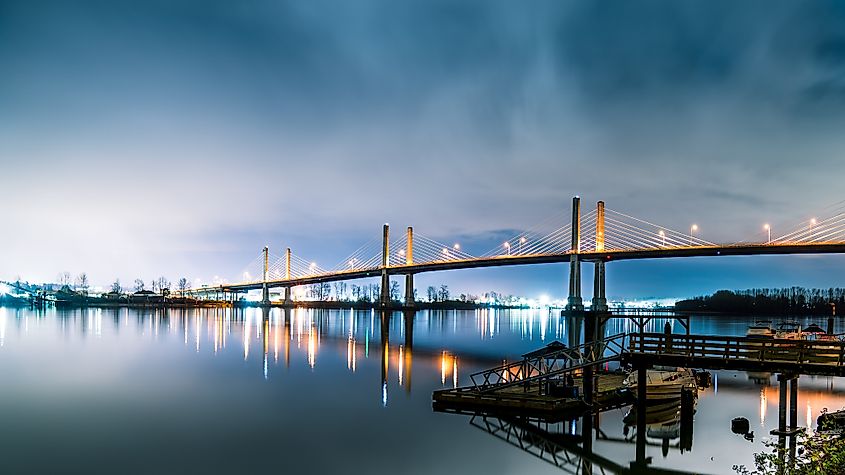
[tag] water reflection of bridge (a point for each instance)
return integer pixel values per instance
(560, 443)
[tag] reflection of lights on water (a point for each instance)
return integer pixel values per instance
(266, 346)
(455, 372)
(544, 321)
(246, 337)
(809, 419)
(763, 405)
(401, 363)
(312, 347)
(276, 341)
(199, 322)
(384, 394)
(443, 368)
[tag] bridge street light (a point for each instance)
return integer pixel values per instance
(769, 231)
(522, 241)
(692, 230)
(508, 247)
(662, 237)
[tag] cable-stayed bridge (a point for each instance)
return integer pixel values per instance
(599, 236)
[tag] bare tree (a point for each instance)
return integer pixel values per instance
(115, 286)
(183, 284)
(432, 293)
(340, 290)
(163, 284)
(394, 290)
(64, 279)
(444, 292)
(139, 285)
(82, 282)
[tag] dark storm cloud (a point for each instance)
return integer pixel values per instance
(278, 121)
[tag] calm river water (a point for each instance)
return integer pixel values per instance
(228, 391)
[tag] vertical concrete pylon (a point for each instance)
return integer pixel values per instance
(265, 291)
(288, 299)
(409, 260)
(384, 299)
(599, 303)
(575, 303)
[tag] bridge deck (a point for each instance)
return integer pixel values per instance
(738, 353)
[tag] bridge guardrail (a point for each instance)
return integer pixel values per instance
(726, 347)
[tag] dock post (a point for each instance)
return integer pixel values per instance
(793, 403)
(782, 403)
(642, 382)
(574, 302)
(409, 260)
(384, 299)
(288, 299)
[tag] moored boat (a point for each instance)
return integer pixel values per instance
(664, 383)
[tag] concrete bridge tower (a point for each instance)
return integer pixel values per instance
(265, 291)
(384, 298)
(575, 303)
(409, 260)
(599, 303)
(288, 299)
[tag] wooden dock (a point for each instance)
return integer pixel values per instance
(530, 401)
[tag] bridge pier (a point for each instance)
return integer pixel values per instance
(409, 291)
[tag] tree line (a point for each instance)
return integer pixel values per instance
(789, 300)
(81, 284)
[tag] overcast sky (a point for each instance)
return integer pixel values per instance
(178, 137)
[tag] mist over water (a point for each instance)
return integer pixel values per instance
(239, 391)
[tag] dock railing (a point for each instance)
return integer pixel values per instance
(550, 364)
(764, 350)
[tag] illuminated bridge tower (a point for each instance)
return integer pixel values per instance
(265, 291)
(384, 298)
(409, 277)
(288, 299)
(575, 303)
(599, 303)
